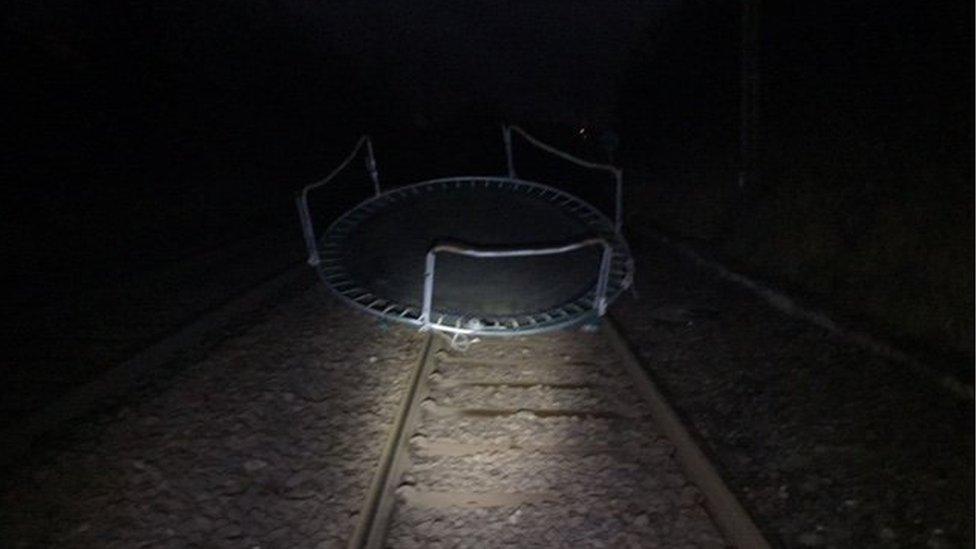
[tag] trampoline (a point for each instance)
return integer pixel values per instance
(473, 255)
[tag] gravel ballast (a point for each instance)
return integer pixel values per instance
(827, 444)
(520, 463)
(269, 440)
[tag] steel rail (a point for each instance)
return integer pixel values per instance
(724, 507)
(375, 513)
(728, 514)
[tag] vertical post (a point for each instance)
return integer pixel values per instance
(374, 174)
(602, 280)
(507, 136)
(428, 290)
(749, 82)
(307, 231)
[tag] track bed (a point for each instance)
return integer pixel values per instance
(536, 442)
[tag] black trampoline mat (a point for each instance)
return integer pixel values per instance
(378, 249)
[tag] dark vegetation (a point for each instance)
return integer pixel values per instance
(864, 201)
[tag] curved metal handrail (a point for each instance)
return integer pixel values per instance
(600, 296)
(305, 216)
(617, 173)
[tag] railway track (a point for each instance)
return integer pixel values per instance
(559, 440)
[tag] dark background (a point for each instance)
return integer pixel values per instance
(863, 202)
(138, 134)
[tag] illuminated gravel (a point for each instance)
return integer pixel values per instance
(828, 445)
(526, 428)
(555, 398)
(599, 477)
(269, 440)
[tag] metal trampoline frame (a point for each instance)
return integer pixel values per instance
(615, 272)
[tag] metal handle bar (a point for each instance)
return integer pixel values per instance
(600, 297)
(302, 199)
(618, 174)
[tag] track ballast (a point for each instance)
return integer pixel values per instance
(542, 441)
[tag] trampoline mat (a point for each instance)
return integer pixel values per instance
(375, 254)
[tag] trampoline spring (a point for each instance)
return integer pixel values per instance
(462, 342)
(335, 249)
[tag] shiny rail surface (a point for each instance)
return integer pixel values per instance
(577, 406)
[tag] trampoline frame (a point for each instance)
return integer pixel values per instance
(617, 173)
(615, 269)
(600, 292)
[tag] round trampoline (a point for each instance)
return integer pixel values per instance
(472, 255)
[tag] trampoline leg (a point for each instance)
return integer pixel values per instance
(592, 325)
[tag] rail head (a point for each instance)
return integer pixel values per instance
(614, 171)
(483, 252)
(305, 216)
